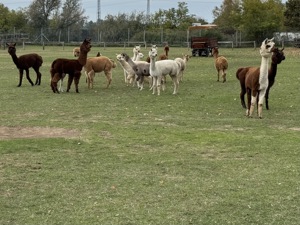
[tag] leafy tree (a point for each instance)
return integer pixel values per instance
(173, 18)
(4, 15)
(292, 14)
(228, 16)
(40, 11)
(261, 18)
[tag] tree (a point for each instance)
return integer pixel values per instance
(292, 14)
(261, 19)
(228, 16)
(39, 12)
(4, 15)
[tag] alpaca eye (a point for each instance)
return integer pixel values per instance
(268, 46)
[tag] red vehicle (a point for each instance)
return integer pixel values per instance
(202, 46)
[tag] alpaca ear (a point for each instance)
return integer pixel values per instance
(272, 39)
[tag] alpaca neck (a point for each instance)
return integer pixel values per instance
(82, 58)
(15, 59)
(263, 76)
(273, 71)
(134, 56)
(152, 63)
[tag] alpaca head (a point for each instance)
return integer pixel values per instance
(140, 55)
(120, 57)
(278, 56)
(266, 47)
(85, 46)
(11, 48)
(153, 53)
(136, 49)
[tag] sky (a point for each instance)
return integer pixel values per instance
(200, 8)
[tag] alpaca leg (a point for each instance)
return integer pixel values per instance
(28, 77)
(20, 77)
(176, 84)
(224, 76)
(70, 80)
(77, 75)
(262, 94)
(140, 81)
(163, 83)
(267, 98)
(154, 84)
(218, 75)
(125, 77)
(248, 102)
(242, 95)
(90, 79)
(159, 79)
(38, 76)
(108, 75)
(253, 103)
(56, 77)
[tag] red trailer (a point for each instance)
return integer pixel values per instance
(202, 46)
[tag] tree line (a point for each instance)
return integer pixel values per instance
(64, 21)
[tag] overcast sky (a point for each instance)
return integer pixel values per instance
(201, 8)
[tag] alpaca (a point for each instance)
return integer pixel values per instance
(96, 65)
(76, 51)
(159, 69)
(257, 79)
(24, 62)
(221, 63)
(126, 67)
(72, 67)
(136, 49)
(98, 54)
(141, 69)
(166, 55)
(183, 62)
(277, 58)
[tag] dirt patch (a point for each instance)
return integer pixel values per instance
(7, 133)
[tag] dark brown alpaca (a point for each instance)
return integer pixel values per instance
(277, 58)
(60, 67)
(24, 62)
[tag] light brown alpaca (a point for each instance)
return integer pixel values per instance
(166, 55)
(183, 62)
(60, 67)
(76, 51)
(97, 65)
(221, 64)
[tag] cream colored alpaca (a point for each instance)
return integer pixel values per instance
(221, 64)
(159, 69)
(183, 62)
(97, 65)
(76, 51)
(127, 68)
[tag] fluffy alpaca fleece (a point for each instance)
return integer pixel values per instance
(127, 68)
(159, 69)
(183, 62)
(221, 64)
(24, 62)
(96, 65)
(257, 81)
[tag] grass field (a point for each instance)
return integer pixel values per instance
(124, 156)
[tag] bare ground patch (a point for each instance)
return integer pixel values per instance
(7, 133)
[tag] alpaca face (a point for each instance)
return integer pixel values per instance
(136, 49)
(267, 47)
(11, 48)
(120, 57)
(278, 56)
(86, 46)
(153, 53)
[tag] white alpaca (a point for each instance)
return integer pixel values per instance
(183, 62)
(158, 71)
(266, 53)
(127, 68)
(137, 56)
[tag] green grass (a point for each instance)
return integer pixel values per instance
(129, 157)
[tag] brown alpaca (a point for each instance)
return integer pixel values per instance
(60, 67)
(24, 62)
(96, 65)
(277, 57)
(221, 64)
(166, 55)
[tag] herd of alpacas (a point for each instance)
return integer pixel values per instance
(255, 82)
